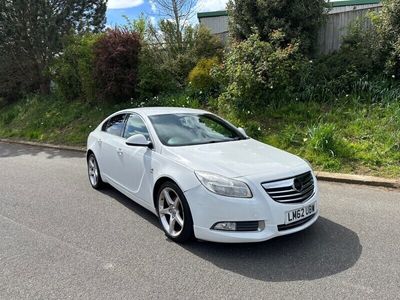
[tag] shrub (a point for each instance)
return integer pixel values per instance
(153, 78)
(72, 71)
(298, 20)
(256, 73)
(200, 77)
(357, 60)
(177, 60)
(389, 30)
(116, 65)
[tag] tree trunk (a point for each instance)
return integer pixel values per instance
(178, 25)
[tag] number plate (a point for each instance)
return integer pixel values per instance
(300, 213)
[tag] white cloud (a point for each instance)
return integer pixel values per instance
(153, 6)
(117, 4)
(211, 5)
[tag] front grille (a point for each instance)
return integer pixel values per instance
(295, 224)
(291, 190)
(247, 226)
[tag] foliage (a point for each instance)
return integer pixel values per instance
(200, 77)
(32, 32)
(164, 67)
(198, 43)
(299, 20)
(358, 60)
(116, 65)
(389, 30)
(256, 73)
(72, 71)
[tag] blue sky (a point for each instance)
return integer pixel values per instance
(133, 8)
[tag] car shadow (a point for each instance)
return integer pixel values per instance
(14, 150)
(324, 249)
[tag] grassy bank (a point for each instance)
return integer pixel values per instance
(348, 135)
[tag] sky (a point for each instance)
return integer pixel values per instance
(134, 8)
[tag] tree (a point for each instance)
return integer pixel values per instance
(32, 33)
(298, 20)
(179, 12)
(116, 64)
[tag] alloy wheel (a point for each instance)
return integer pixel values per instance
(171, 213)
(93, 171)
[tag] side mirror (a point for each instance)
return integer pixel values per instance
(139, 140)
(242, 131)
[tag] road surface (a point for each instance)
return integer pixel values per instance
(61, 239)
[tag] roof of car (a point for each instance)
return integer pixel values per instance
(151, 111)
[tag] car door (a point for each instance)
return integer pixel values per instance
(110, 146)
(135, 161)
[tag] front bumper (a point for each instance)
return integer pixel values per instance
(208, 208)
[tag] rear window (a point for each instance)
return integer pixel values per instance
(115, 125)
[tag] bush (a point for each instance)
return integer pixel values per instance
(200, 77)
(164, 67)
(72, 71)
(116, 65)
(153, 78)
(298, 20)
(389, 30)
(357, 60)
(257, 73)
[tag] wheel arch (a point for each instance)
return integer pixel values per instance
(160, 181)
(88, 153)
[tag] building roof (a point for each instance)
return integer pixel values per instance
(341, 3)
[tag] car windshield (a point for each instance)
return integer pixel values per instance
(193, 129)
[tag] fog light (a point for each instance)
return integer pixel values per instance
(226, 226)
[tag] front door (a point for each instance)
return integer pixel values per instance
(135, 161)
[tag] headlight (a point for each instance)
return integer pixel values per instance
(224, 186)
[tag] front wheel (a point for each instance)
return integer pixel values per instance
(174, 213)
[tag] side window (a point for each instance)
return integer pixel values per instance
(115, 125)
(135, 125)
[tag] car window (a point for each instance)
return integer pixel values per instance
(135, 125)
(115, 125)
(193, 129)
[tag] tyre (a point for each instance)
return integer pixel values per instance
(94, 172)
(174, 213)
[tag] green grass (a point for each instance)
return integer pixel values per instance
(352, 135)
(347, 136)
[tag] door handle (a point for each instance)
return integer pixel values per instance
(99, 141)
(120, 152)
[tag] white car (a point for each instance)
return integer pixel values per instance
(202, 176)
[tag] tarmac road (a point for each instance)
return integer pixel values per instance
(61, 239)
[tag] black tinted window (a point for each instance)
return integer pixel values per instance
(115, 125)
(135, 125)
